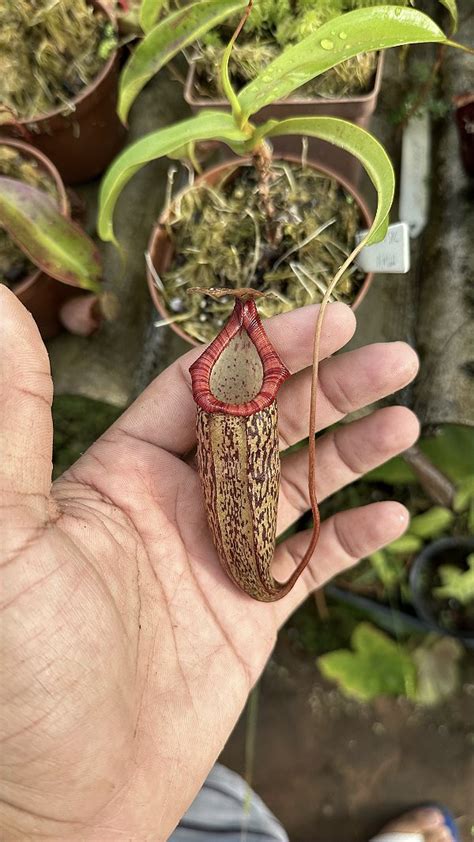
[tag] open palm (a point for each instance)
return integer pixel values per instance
(128, 655)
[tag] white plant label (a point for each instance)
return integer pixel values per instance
(391, 255)
(415, 173)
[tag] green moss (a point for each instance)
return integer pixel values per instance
(221, 237)
(78, 423)
(267, 15)
(315, 636)
(49, 51)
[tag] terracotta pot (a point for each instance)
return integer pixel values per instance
(82, 142)
(41, 294)
(160, 247)
(357, 109)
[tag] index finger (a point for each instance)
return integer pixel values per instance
(165, 413)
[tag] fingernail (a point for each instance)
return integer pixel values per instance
(432, 816)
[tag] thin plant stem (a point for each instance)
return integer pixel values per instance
(225, 77)
(314, 405)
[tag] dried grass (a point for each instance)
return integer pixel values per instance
(49, 51)
(220, 240)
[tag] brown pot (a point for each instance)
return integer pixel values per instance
(160, 247)
(41, 294)
(82, 142)
(357, 109)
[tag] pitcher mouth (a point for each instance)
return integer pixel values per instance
(244, 323)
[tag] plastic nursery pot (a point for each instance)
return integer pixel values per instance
(84, 137)
(41, 294)
(394, 620)
(357, 109)
(160, 247)
(424, 578)
(464, 104)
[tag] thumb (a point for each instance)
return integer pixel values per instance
(26, 390)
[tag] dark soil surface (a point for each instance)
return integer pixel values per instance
(334, 770)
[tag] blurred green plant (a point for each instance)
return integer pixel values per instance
(376, 665)
(451, 449)
(456, 583)
(383, 576)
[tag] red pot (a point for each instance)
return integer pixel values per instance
(160, 247)
(41, 294)
(81, 143)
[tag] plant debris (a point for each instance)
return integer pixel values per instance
(14, 265)
(220, 238)
(49, 51)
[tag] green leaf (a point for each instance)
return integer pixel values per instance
(432, 523)
(452, 8)
(452, 451)
(167, 39)
(149, 13)
(388, 570)
(341, 38)
(464, 494)
(51, 241)
(394, 472)
(207, 125)
(406, 545)
(359, 143)
(378, 666)
(457, 584)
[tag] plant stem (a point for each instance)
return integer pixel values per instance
(262, 159)
(321, 605)
(437, 486)
(225, 77)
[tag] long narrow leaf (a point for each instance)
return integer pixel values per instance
(336, 41)
(452, 8)
(149, 13)
(208, 125)
(51, 241)
(359, 143)
(165, 40)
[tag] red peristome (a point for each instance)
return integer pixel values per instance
(244, 317)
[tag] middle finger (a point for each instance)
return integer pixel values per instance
(343, 455)
(347, 382)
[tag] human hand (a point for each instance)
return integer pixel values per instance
(128, 654)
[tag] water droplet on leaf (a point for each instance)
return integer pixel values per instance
(343, 36)
(326, 44)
